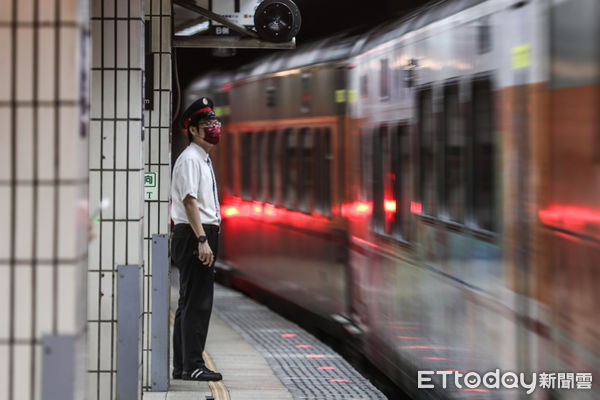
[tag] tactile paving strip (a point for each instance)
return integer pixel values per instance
(306, 366)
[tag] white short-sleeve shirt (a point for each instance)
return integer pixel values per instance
(193, 175)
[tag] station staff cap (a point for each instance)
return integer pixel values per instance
(202, 107)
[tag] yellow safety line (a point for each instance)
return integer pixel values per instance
(218, 389)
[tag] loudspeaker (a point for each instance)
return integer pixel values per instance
(277, 20)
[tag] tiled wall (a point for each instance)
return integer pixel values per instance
(116, 169)
(43, 184)
(157, 153)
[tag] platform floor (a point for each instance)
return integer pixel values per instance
(264, 356)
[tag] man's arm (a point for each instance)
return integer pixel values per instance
(205, 254)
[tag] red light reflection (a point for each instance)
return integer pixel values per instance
(571, 218)
(257, 208)
(357, 209)
(269, 209)
(415, 207)
(237, 207)
(230, 211)
(410, 328)
(390, 205)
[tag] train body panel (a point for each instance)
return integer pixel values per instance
(435, 185)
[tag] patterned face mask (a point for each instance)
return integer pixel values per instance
(212, 134)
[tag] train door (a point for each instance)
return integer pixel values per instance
(519, 210)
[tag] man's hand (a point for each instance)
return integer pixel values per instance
(205, 254)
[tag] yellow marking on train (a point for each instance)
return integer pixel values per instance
(352, 96)
(218, 111)
(226, 110)
(217, 388)
(521, 56)
(340, 96)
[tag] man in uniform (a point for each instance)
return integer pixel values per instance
(195, 212)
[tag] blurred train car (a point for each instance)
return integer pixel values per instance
(431, 188)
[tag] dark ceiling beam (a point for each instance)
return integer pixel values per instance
(231, 42)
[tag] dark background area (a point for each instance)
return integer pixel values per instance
(320, 18)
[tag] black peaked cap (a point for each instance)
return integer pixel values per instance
(202, 107)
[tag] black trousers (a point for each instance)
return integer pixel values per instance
(196, 287)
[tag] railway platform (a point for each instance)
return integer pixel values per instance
(264, 356)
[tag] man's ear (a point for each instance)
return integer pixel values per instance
(193, 130)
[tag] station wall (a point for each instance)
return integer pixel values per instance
(43, 195)
(127, 140)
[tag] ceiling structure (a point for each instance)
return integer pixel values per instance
(320, 18)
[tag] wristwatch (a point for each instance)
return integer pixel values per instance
(202, 239)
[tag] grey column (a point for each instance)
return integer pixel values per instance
(58, 367)
(160, 313)
(129, 332)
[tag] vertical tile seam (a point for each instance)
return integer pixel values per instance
(56, 186)
(128, 129)
(13, 117)
(160, 50)
(101, 191)
(114, 188)
(32, 371)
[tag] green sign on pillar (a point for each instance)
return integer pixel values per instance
(150, 186)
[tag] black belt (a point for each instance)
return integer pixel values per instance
(207, 227)
(214, 228)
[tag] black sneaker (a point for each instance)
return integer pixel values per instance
(176, 374)
(202, 374)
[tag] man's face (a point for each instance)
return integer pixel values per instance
(211, 123)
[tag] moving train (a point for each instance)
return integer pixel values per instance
(429, 188)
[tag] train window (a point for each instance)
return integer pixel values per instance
(454, 156)
(426, 151)
(290, 167)
(271, 165)
(324, 171)
(246, 152)
(230, 144)
(401, 163)
(260, 166)
(364, 86)
(391, 181)
(483, 155)
(384, 80)
(379, 162)
(365, 163)
(305, 87)
(306, 170)
(484, 36)
(271, 95)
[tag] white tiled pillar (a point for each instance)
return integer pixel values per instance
(43, 185)
(116, 174)
(157, 147)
